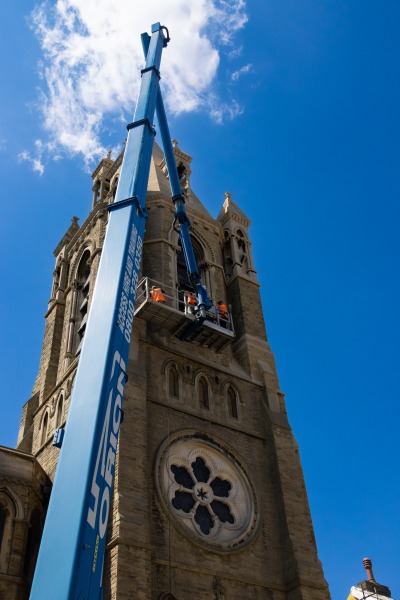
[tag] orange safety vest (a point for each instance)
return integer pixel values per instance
(223, 311)
(191, 298)
(157, 295)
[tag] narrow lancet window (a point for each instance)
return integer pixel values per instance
(60, 412)
(83, 286)
(173, 381)
(7, 516)
(3, 518)
(232, 403)
(45, 425)
(204, 398)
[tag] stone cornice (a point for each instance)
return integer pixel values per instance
(200, 360)
(231, 216)
(53, 303)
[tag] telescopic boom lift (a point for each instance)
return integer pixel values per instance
(71, 556)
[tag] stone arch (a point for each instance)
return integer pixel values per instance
(209, 254)
(114, 184)
(239, 231)
(204, 255)
(241, 240)
(83, 265)
(203, 390)
(44, 426)
(19, 508)
(70, 383)
(36, 523)
(173, 379)
(56, 276)
(87, 245)
(59, 410)
(10, 509)
(207, 251)
(80, 298)
(227, 253)
(240, 251)
(232, 401)
(96, 191)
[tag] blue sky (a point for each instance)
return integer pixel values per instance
(296, 112)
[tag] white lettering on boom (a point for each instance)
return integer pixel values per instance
(105, 460)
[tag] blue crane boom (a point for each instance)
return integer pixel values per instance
(203, 302)
(71, 555)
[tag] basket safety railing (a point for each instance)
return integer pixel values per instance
(151, 290)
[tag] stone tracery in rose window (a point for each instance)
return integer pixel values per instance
(203, 495)
(207, 491)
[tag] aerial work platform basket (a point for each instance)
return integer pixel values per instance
(170, 308)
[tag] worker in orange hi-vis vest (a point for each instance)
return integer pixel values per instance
(223, 314)
(157, 294)
(190, 302)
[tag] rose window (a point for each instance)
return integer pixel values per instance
(203, 495)
(206, 492)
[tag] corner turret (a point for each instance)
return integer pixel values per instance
(238, 259)
(101, 181)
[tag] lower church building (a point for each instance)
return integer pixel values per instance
(209, 496)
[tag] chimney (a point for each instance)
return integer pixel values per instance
(368, 567)
(370, 587)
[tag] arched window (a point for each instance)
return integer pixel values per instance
(45, 425)
(173, 381)
(33, 543)
(242, 245)
(183, 282)
(232, 403)
(3, 518)
(60, 412)
(82, 299)
(227, 253)
(7, 516)
(56, 280)
(241, 240)
(96, 191)
(114, 186)
(203, 393)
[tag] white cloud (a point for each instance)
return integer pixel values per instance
(226, 111)
(92, 57)
(236, 74)
(3, 144)
(35, 163)
(235, 52)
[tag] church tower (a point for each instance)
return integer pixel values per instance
(209, 496)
